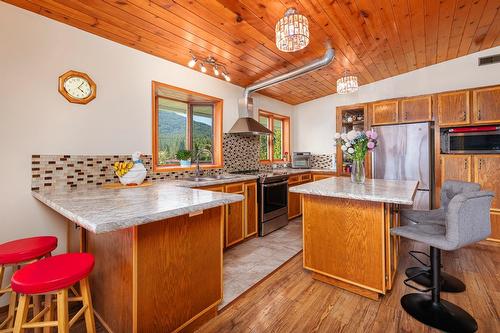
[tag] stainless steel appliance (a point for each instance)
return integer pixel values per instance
(272, 199)
(405, 153)
(471, 140)
(301, 160)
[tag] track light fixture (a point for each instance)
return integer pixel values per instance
(218, 68)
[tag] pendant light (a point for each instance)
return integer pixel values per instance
(292, 31)
(347, 84)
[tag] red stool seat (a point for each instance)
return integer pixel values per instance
(53, 273)
(25, 249)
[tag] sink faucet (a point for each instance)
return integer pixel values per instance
(197, 157)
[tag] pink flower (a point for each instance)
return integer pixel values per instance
(374, 135)
(371, 145)
(369, 134)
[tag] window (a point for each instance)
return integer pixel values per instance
(276, 147)
(184, 120)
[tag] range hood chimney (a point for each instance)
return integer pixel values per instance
(246, 124)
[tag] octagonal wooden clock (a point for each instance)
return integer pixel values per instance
(77, 87)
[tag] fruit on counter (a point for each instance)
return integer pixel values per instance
(121, 168)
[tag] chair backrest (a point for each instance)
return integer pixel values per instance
(453, 187)
(468, 218)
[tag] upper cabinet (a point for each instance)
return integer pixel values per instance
(416, 109)
(453, 108)
(385, 113)
(486, 105)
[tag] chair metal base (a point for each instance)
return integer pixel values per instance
(449, 283)
(443, 315)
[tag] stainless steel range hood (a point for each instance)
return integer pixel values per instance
(246, 124)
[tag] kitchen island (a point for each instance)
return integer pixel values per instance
(158, 252)
(346, 227)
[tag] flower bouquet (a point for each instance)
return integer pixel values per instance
(355, 144)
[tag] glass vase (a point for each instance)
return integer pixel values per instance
(358, 171)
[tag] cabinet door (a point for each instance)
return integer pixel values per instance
(416, 109)
(251, 209)
(385, 113)
(495, 227)
(486, 105)
(453, 108)
(456, 167)
(234, 223)
(294, 205)
(487, 173)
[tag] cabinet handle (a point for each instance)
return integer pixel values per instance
(480, 163)
(479, 114)
(466, 164)
(464, 116)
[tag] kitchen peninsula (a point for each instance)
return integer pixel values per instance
(158, 252)
(347, 241)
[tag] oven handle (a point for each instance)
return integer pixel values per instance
(275, 184)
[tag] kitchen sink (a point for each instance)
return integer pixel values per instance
(197, 179)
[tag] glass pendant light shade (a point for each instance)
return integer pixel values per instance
(292, 31)
(347, 84)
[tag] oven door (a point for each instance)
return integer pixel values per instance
(274, 200)
(476, 142)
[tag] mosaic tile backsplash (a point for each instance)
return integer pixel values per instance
(63, 171)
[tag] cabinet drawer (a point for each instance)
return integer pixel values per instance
(293, 179)
(235, 188)
(306, 177)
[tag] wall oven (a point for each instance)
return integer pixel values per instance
(273, 204)
(471, 140)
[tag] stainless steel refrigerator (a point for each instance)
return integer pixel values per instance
(405, 152)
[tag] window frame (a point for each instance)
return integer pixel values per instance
(270, 142)
(217, 103)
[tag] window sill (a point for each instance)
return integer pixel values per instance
(175, 168)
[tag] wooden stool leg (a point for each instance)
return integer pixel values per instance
(37, 306)
(22, 313)
(87, 300)
(49, 315)
(12, 309)
(62, 311)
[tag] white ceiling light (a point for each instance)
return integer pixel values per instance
(347, 84)
(217, 67)
(216, 71)
(292, 31)
(203, 68)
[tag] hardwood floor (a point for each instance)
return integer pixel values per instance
(291, 301)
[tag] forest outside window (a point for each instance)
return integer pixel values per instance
(185, 121)
(275, 147)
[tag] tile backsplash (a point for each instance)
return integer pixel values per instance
(67, 171)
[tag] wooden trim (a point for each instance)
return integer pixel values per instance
(285, 133)
(71, 99)
(217, 130)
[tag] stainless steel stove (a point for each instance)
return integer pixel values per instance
(272, 199)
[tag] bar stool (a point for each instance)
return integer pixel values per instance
(423, 275)
(55, 275)
(467, 221)
(16, 253)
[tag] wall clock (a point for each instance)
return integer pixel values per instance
(77, 87)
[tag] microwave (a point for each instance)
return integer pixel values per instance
(301, 160)
(471, 140)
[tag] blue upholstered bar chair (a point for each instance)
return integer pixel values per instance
(467, 221)
(423, 275)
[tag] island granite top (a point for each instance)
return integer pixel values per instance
(102, 210)
(378, 190)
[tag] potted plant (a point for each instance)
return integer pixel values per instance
(355, 145)
(184, 156)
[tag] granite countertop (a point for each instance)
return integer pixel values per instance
(378, 190)
(202, 183)
(102, 210)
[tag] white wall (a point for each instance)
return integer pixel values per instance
(36, 119)
(314, 121)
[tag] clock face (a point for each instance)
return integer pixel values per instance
(77, 87)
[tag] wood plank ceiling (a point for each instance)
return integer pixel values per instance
(374, 39)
